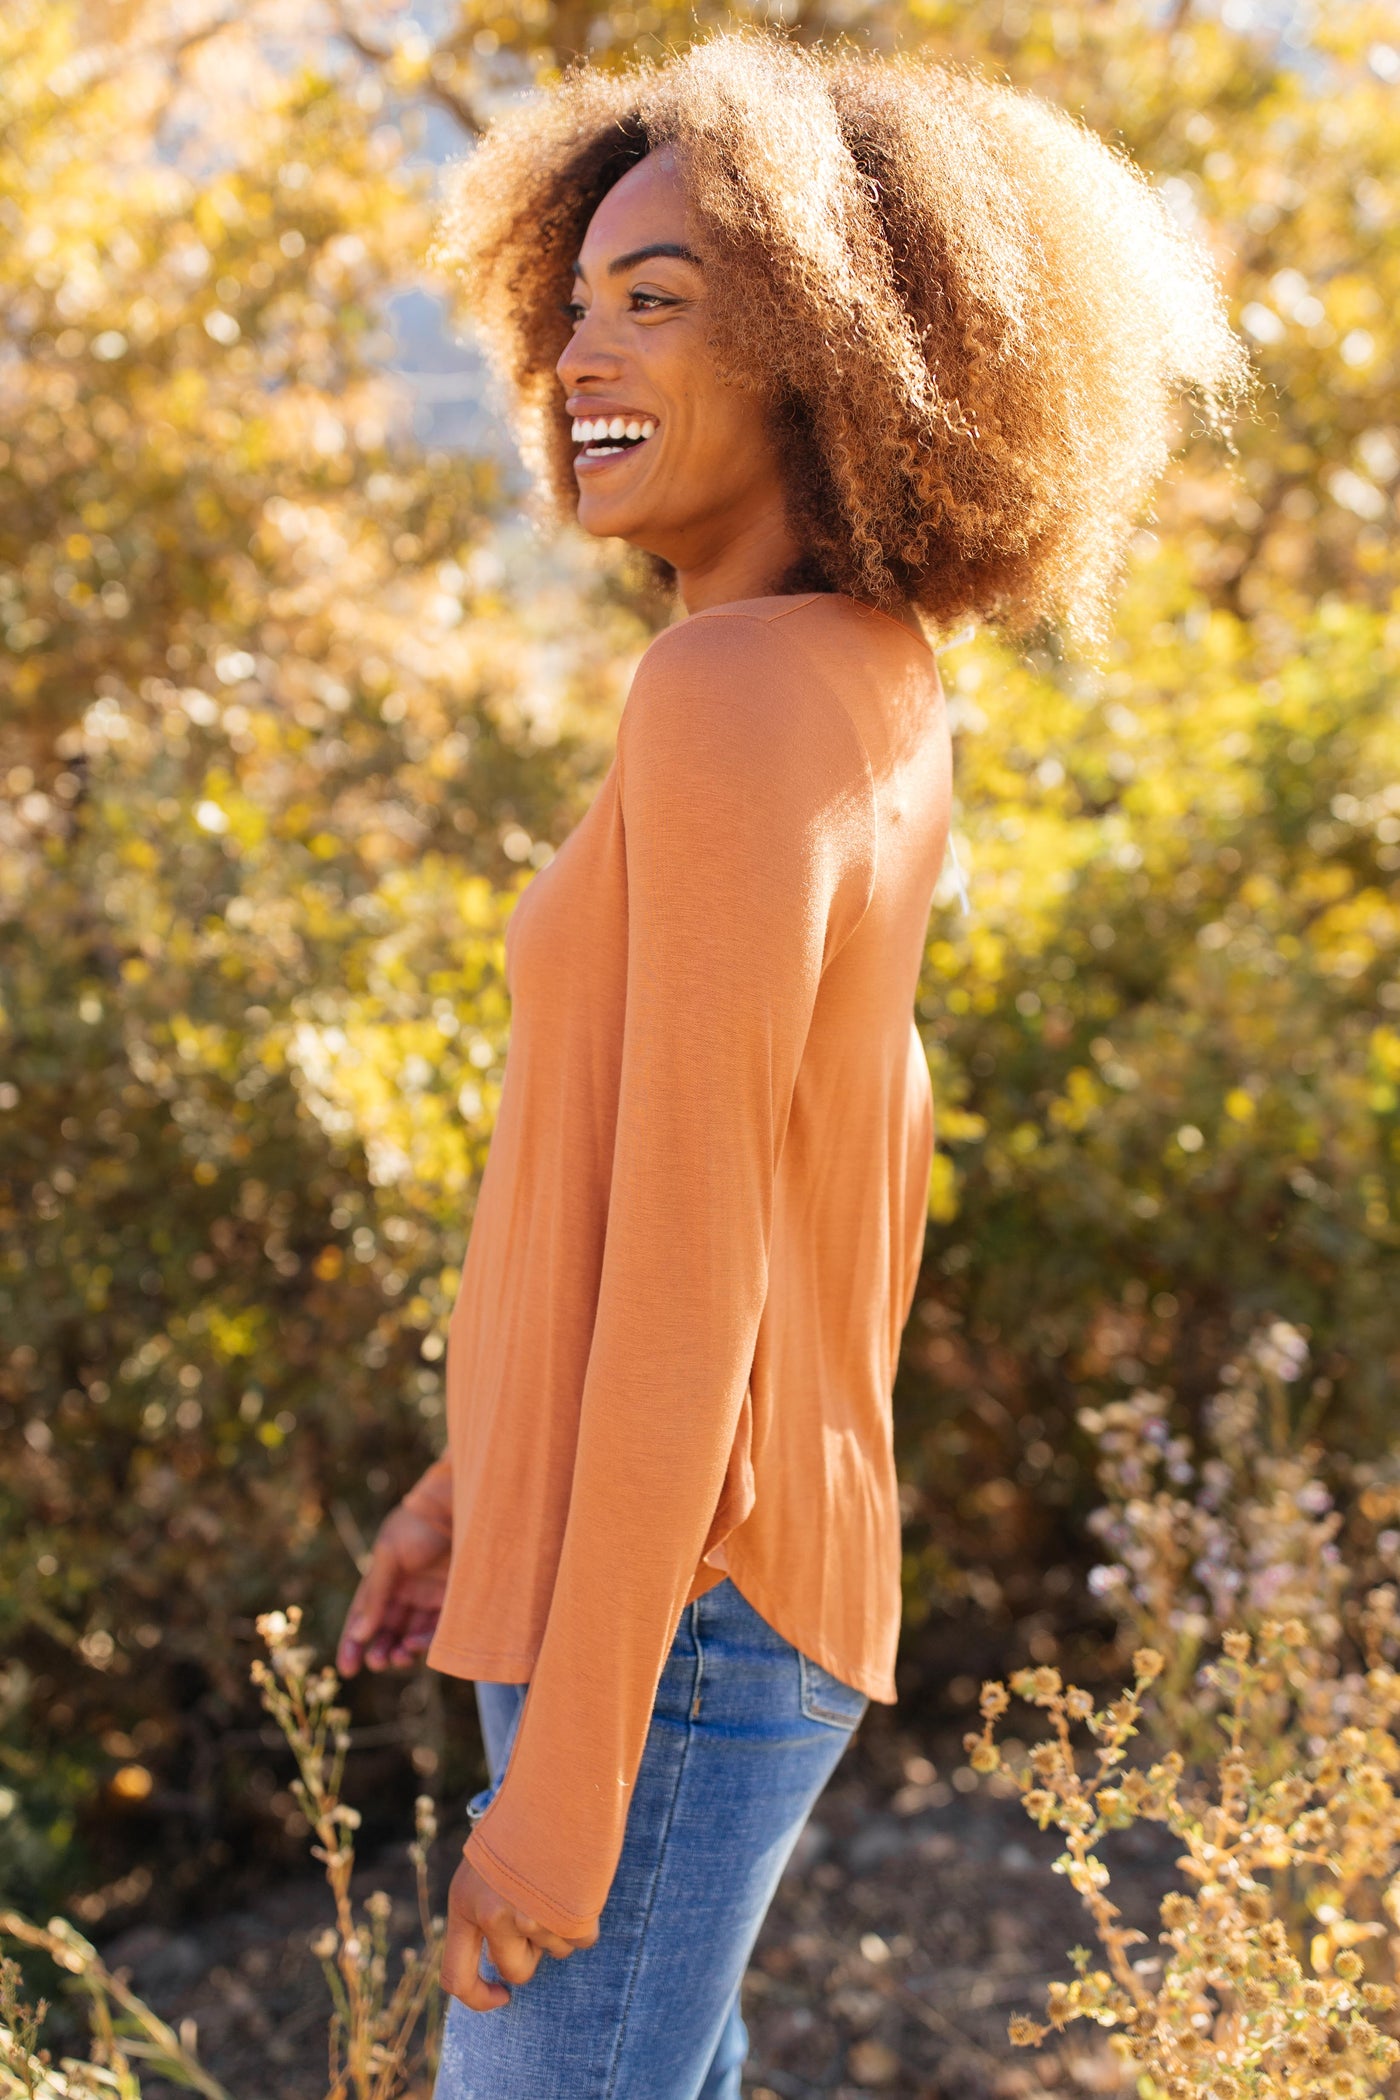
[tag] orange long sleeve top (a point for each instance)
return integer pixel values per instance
(701, 1221)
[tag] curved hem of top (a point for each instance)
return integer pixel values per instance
(878, 1685)
(485, 1667)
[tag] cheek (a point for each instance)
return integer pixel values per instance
(727, 444)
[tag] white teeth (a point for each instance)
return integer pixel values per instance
(592, 430)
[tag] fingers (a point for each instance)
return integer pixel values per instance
(461, 1969)
(381, 1650)
(541, 1937)
(516, 1957)
(395, 1610)
(516, 1942)
(414, 1637)
(367, 1612)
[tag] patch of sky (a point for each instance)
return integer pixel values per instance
(452, 401)
(1291, 24)
(453, 405)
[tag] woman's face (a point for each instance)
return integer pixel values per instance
(686, 469)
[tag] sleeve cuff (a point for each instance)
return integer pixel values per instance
(533, 1902)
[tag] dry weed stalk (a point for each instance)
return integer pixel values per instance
(1235, 2006)
(117, 2050)
(383, 2039)
(376, 2047)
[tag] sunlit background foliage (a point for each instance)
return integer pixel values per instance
(294, 702)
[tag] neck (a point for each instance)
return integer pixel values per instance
(743, 562)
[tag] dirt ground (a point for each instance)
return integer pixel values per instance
(917, 1915)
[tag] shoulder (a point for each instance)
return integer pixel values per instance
(723, 638)
(736, 757)
(737, 680)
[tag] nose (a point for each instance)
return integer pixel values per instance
(588, 355)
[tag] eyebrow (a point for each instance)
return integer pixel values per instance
(621, 263)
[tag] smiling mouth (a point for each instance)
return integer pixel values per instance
(603, 437)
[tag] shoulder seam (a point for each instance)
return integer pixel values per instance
(718, 612)
(731, 612)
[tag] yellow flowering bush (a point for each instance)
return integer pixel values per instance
(1237, 2001)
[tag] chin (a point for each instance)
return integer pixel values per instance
(607, 521)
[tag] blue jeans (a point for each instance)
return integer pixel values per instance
(744, 1735)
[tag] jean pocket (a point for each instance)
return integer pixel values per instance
(829, 1699)
(479, 1803)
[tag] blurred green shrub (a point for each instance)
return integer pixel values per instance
(1169, 1036)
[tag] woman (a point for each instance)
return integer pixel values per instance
(836, 343)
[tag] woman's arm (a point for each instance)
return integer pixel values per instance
(749, 824)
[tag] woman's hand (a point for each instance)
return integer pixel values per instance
(394, 1612)
(477, 1916)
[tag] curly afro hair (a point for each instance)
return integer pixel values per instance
(971, 320)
